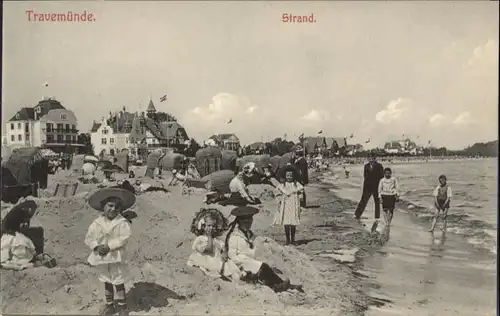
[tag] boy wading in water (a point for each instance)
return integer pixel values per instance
(442, 196)
(388, 189)
(107, 237)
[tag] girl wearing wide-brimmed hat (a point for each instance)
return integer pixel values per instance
(107, 237)
(240, 248)
(18, 251)
(208, 225)
(288, 195)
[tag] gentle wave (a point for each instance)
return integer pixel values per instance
(473, 207)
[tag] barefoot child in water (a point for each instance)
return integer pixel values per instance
(388, 189)
(107, 237)
(442, 196)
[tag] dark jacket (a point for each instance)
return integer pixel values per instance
(301, 164)
(373, 175)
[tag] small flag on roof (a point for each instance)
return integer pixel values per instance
(163, 98)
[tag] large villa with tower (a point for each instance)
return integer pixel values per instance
(124, 130)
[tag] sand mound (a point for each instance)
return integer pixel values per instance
(160, 280)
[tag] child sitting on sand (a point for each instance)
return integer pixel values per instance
(388, 190)
(442, 197)
(18, 251)
(107, 237)
(209, 224)
(240, 247)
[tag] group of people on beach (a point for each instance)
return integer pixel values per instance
(230, 258)
(380, 183)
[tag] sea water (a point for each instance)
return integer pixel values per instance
(473, 210)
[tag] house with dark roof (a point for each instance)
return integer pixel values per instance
(226, 141)
(125, 130)
(48, 124)
(353, 149)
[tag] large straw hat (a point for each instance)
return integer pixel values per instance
(127, 197)
(244, 211)
(199, 221)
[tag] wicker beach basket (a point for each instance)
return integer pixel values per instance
(219, 181)
(228, 161)
(172, 161)
(208, 160)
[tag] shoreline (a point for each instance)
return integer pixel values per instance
(416, 272)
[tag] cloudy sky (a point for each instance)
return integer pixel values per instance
(375, 69)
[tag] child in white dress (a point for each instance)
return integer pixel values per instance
(107, 237)
(208, 251)
(289, 208)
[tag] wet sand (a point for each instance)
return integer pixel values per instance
(421, 273)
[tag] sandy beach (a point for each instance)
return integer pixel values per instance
(161, 283)
(412, 273)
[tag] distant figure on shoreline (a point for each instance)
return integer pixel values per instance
(373, 173)
(442, 197)
(346, 172)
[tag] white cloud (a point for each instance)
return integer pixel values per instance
(484, 53)
(316, 116)
(463, 118)
(437, 120)
(251, 109)
(395, 111)
(224, 106)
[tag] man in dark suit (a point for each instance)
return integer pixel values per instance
(300, 162)
(373, 172)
